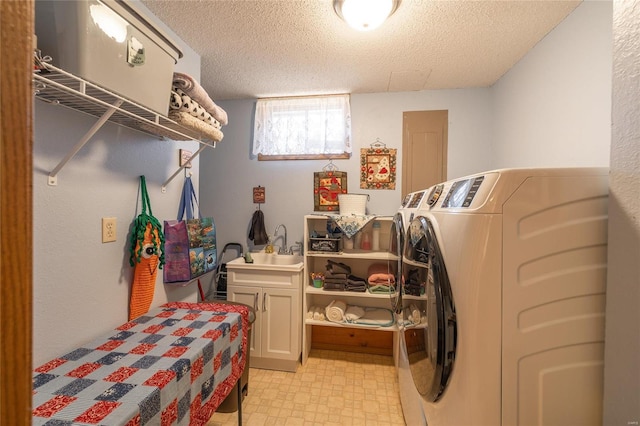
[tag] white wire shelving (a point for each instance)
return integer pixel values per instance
(58, 87)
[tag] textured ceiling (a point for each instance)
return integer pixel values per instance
(268, 48)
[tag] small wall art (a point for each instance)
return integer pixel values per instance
(378, 167)
(327, 185)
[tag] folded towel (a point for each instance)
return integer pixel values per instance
(338, 267)
(352, 279)
(377, 316)
(355, 284)
(330, 275)
(353, 313)
(379, 288)
(379, 273)
(385, 279)
(335, 311)
(413, 289)
(192, 88)
(333, 286)
(190, 122)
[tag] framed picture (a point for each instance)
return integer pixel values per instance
(327, 185)
(378, 167)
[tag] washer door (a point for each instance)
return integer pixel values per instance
(396, 245)
(431, 346)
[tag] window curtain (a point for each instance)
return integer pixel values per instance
(302, 126)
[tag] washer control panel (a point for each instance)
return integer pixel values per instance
(415, 200)
(462, 192)
(435, 194)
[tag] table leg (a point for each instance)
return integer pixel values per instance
(239, 386)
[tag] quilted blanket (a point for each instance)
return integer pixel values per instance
(173, 366)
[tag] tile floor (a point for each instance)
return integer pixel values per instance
(333, 388)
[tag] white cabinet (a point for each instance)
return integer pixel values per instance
(276, 333)
(358, 260)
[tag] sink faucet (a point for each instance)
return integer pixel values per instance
(283, 247)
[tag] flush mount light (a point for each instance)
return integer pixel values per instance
(365, 15)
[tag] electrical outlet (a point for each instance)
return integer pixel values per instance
(108, 229)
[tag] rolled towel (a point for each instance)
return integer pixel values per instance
(192, 88)
(353, 313)
(414, 314)
(318, 313)
(187, 120)
(180, 101)
(310, 313)
(335, 311)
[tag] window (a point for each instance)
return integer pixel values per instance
(302, 128)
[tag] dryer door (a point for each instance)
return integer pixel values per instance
(396, 245)
(431, 345)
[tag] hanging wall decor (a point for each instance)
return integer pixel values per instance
(378, 167)
(327, 185)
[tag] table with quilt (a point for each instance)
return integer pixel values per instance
(172, 366)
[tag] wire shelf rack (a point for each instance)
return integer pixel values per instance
(58, 87)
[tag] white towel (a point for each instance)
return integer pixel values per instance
(353, 313)
(187, 83)
(310, 313)
(414, 314)
(318, 313)
(335, 311)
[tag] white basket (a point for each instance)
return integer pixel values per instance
(355, 204)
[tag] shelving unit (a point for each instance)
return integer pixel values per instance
(59, 87)
(359, 261)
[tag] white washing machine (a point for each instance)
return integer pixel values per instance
(512, 266)
(410, 400)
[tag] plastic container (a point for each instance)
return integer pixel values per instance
(353, 204)
(357, 239)
(366, 241)
(111, 44)
(375, 240)
(347, 243)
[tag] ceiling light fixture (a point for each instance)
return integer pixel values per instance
(365, 15)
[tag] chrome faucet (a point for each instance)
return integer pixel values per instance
(283, 247)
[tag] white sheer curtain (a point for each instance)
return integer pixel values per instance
(302, 126)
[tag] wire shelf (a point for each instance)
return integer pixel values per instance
(56, 86)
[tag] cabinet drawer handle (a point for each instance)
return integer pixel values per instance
(255, 302)
(264, 302)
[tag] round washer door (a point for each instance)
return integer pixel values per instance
(431, 347)
(396, 245)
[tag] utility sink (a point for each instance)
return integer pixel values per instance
(269, 262)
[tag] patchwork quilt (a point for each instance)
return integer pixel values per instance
(172, 366)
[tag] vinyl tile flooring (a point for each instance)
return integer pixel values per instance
(333, 388)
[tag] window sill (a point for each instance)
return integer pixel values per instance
(344, 155)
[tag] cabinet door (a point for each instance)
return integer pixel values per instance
(249, 296)
(281, 324)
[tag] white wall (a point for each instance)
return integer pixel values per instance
(622, 333)
(553, 108)
(229, 172)
(80, 285)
